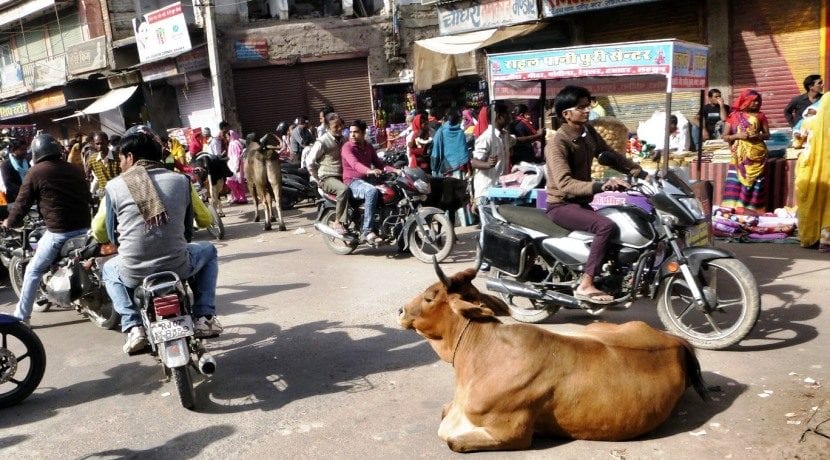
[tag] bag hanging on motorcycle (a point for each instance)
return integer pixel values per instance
(503, 246)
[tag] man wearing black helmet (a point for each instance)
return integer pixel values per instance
(149, 211)
(62, 195)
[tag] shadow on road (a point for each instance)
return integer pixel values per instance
(187, 445)
(240, 297)
(124, 379)
(8, 441)
(307, 360)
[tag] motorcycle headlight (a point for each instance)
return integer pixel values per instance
(694, 206)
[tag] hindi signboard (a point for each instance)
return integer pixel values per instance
(161, 33)
(14, 109)
(87, 56)
(252, 49)
(551, 8)
(466, 16)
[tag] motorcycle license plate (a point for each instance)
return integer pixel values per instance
(172, 328)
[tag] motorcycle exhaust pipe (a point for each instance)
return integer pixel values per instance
(518, 289)
(328, 231)
(206, 365)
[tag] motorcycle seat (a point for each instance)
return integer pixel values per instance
(532, 218)
(73, 244)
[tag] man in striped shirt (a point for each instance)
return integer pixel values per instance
(102, 165)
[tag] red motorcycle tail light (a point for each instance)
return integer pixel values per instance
(167, 305)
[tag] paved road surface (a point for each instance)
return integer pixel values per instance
(312, 364)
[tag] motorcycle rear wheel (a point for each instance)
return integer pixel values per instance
(423, 250)
(184, 385)
(336, 245)
(27, 346)
(17, 269)
(730, 287)
(216, 227)
(523, 309)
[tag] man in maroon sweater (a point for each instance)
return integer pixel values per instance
(62, 195)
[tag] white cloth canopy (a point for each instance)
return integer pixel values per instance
(434, 57)
(111, 100)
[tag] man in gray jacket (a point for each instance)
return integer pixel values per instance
(326, 168)
(152, 211)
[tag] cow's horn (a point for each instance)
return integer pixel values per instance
(441, 276)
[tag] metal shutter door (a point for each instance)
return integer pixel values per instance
(649, 21)
(196, 104)
(265, 96)
(774, 46)
(342, 84)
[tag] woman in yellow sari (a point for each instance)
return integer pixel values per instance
(812, 181)
(746, 129)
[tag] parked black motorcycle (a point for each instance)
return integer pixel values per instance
(165, 308)
(22, 361)
(704, 294)
(296, 186)
(424, 230)
(74, 279)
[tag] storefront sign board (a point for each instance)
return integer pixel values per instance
(49, 72)
(255, 49)
(159, 70)
(161, 33)
(14, 109)
(467, 16)
(49, 100)
(551, 8)
(87, 56)
(193, 60)
(683, 64)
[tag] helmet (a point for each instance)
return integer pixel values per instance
(44, 146)
(282, 128)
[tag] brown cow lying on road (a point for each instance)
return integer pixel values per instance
(609, 382)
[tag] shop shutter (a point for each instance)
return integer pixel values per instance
(341, 84)
(774, 46)
(196, 103)
(265, 96)
(657, 20)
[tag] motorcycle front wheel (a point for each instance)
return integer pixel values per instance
(17, 269)
(103, 315)
(734, 305)
(216, 227)
(184, 385)
(440, 247)
(336, 245)
(22, 362)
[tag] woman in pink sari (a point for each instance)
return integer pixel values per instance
(236, 163)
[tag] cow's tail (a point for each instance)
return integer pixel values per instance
(693, 373)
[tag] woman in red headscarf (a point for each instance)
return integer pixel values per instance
(418, 143)
(195, 143)
(746, 129)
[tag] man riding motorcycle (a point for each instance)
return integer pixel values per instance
(63, 197)
(148, 211)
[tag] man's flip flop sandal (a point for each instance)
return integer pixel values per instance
(594, 298)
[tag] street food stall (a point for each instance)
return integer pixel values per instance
(667, 66)
(634, 67)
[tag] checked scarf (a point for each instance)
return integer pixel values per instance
(144, 193)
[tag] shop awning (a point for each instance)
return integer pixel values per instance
(434, 57)
(111, 100)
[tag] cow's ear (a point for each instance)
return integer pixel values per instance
(462, 278)
(470, 310)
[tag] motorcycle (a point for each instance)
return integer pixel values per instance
(164, 305)
(201, 180)
(425, 231)
(704, 294)
(74, 279)
(22, 361)
(296, 186)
